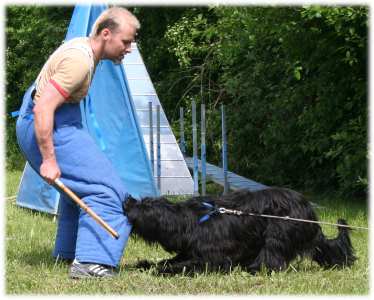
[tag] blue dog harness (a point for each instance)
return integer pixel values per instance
(213, 211)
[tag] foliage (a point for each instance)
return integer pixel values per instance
(32, 33)
(294, 81)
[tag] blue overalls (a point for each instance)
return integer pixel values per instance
(88, 173)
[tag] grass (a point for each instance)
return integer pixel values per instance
(31, 270)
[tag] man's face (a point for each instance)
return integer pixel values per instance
(118, 43)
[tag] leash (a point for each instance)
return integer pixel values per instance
(222, 210)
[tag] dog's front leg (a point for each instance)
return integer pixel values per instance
(176, 259)
(146, 264)
(187, 267)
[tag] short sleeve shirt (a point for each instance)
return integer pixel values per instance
(69, 69)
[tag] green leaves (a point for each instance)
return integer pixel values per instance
(32, 33)
(290, 77)
(297, 72)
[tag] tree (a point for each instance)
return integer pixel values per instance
(32, 33)
(294, 81)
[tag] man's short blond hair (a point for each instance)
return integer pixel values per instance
(111, 18)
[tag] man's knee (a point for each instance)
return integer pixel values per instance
(107, 198)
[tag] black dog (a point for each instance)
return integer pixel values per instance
(204, 239)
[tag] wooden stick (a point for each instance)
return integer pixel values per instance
(83, 205)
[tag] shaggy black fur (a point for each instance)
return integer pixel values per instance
(225, 241)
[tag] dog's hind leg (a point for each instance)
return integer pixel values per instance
(269, 259)
(274, 255)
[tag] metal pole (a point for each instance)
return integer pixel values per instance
(158, 150)
(203, 152)
(195, 160)
(224, 151)
(151, 146)
(182, 143)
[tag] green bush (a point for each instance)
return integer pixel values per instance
(32, 33)
(294, 81)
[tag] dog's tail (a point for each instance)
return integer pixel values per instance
(336, 252)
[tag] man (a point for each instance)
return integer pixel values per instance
(50, 134)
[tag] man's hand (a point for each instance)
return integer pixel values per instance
(50, 170)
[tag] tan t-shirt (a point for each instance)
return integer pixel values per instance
(70, 69)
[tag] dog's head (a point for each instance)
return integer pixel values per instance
(130, 208)
(135, 209)
(148, 217)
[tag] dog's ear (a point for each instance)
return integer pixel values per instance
(129, 202)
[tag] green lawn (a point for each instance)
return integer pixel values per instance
(31, 270)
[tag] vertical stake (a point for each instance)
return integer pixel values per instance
(224, 151)
(203, 152)
(158, 150)
(195, 159)
(182, 142)
(151, 146)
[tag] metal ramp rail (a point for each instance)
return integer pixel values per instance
(236, 182)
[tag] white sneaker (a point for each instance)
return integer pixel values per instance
(89, 270)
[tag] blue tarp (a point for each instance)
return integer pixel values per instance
(109, 115)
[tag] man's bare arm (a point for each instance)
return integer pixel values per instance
(44, 111)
